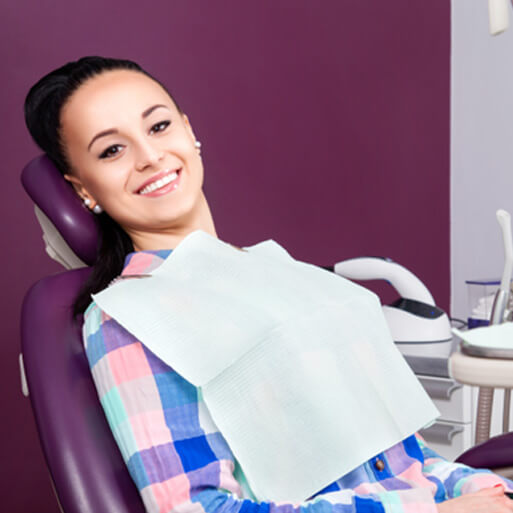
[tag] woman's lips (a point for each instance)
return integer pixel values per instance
(160, 184)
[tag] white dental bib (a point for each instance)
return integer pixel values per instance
(296, 364)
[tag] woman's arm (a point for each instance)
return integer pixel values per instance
(455, 478)
(176, 456)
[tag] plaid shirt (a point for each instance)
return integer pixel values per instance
(181, 463)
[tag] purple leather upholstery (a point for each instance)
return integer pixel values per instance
(86, 466)
(494, 453)
(56, 198)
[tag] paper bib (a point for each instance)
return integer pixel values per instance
(296, 364)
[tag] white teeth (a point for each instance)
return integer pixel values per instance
(159, 183)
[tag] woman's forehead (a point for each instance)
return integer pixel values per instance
(113, 97)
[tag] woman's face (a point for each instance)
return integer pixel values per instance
(132, 152)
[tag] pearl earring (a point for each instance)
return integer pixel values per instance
(197, 144)
(96, 209)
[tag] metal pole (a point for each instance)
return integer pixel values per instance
(505, 412)
(484, 414)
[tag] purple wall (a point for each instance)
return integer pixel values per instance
(325, 125)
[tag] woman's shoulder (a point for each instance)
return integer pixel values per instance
(94, 318)
(99, 328)
(136, 263)
(94, 315)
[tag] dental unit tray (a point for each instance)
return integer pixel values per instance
(486, 352)
(486, 348)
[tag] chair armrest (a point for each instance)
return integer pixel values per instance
(494, 453)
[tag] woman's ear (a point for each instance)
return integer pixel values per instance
(188, 126)
(81, 191)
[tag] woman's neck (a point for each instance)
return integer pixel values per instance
(169, 238)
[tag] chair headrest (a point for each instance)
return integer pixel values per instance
(58, 201)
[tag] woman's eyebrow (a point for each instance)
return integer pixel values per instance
(147, 112)
(111, 131)
(102, 134)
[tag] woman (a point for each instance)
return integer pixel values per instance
(131, 155)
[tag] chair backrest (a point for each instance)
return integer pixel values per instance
(87, 470)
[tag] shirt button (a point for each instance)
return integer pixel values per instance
(379, 465)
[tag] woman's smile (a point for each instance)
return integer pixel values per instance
(161, 183)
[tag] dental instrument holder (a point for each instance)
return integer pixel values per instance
(497, 317)
(481, 296)
(485, 400)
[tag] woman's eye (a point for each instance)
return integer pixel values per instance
(111, 151)
(159, 127)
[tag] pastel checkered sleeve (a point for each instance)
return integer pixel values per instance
(177, 458)
(455, 479)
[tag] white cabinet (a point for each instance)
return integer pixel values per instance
(448, 439)
(453, 400)
(453, 432)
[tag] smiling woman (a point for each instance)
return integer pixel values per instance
(130, 153)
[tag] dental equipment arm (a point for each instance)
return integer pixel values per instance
(414, 317)
(376, 268)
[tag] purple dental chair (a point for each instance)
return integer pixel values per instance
(86, 467)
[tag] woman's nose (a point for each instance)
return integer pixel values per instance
(147, 154)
